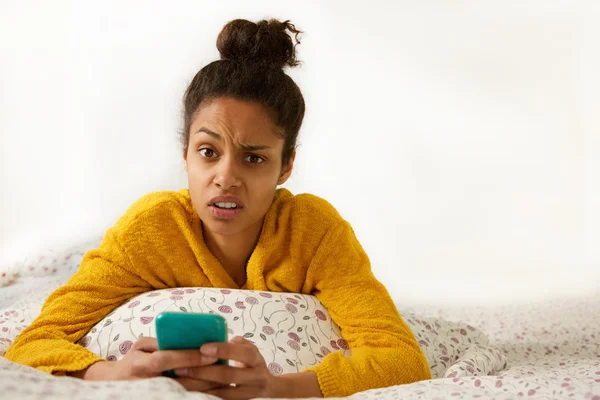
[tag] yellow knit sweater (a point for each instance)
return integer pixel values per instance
(304, 247)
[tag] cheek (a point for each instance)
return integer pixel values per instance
(264, 187)
(197, 173)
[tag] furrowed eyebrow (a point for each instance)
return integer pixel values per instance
(245, 147)
(249, 147)
(209, 132)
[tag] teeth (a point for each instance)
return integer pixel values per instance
(226, 205)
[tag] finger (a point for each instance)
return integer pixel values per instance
(223, 374)
(244, 352)
(163, 360)
(197, 385)
(240, 339)
(146, 344)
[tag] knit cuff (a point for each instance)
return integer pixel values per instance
(79, 365)
(328, 381)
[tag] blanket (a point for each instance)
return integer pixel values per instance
(551, 350)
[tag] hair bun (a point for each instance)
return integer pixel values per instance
(265, 43)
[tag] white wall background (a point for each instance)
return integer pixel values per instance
(461, 139)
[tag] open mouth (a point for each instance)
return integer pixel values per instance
(226, 205)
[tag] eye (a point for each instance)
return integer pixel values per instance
(254, 159)
(207, 153)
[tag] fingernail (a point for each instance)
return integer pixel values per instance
(181, 371)
(209, 360)
(209, 350)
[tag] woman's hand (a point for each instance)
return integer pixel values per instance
(250, 375)
(144, 360)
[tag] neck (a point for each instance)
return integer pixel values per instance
(233, 251)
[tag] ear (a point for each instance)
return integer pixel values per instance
(286, 171)
(185, 166)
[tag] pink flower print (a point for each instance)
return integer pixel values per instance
(531, 392)
(268, 330)
(125, 346)
(146, 320)
(294, 337)
(154, 294)
(275, 369)
(86, 341)
(463, 332)
(291, 308)
(240, 305)
(455, 340)
(176, 298)
(225, 309)
(190, 290)
(134, 304)
(225, 291)
(267, 295)
(477, 383)
(325, 350)
(423, 343)
(321, 315)
(178, 292)
(291, 300)
(333, 344)
(111, 358)
(343, 344)
(251, 300)
(4, 329)
(294, 345)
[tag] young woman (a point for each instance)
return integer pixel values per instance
(233, 229)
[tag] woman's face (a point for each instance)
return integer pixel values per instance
(233, 163)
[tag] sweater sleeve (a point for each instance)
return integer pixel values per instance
(384, 350)
(104, 280)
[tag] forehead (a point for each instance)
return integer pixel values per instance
(242, 121)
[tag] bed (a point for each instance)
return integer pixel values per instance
(544, 350)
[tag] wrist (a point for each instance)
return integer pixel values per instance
(98, 371)
(301, 384)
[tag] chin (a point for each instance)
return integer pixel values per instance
(223, 228)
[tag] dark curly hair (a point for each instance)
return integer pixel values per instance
(253, 56)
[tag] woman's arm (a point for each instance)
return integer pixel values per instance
(384, 350)
(104, 280)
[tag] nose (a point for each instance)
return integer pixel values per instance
(227, 174)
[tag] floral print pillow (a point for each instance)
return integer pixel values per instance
(292, 332)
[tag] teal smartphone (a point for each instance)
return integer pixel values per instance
(184, 331)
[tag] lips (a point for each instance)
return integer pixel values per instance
(226, 200)
(225, 207)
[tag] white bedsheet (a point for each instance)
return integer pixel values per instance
(552, 347)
